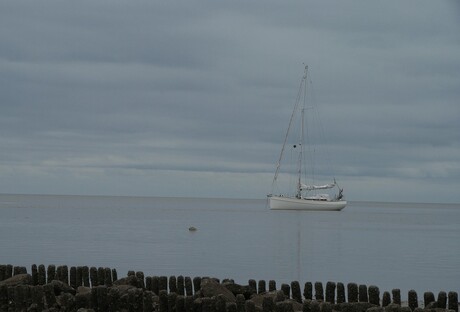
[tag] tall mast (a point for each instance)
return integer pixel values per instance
(302, 115)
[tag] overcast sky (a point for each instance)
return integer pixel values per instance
(192, 98)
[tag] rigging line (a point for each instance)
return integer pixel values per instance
(288, 129)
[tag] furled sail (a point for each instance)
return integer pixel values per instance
(304, 187)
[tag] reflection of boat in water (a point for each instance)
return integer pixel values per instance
(303, 199)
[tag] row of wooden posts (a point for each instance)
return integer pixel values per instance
(184, 286)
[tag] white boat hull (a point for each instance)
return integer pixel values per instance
(289, 203)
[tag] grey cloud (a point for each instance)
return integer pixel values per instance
(92, 91)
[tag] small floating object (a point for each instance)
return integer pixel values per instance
(192, 229)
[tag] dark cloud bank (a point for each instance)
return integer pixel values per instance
(191, 99)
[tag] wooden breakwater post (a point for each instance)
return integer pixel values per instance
(34, 274)
(51, 273)
(29, 295)
(374, 295)
(386, 299)
(41, 275)
(252, 286)
(330, 292)
(296, 292)
(428, 297)
(453, 301)
(340, 293)
(172, 284)
(261, 287)
(286, 290)
(352, 292)
(188, 286)
(181, 286)
(362, 293)
(271, 285)
(396, 296)
(442, 300)
(197, 283)
(308, 291)
(319, 293)
(412, 299)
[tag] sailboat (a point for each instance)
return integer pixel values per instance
(304, 197)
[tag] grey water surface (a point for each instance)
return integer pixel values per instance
(390, 245)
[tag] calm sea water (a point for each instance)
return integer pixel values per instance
(390, 245)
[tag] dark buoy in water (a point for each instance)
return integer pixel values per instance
(192, 229)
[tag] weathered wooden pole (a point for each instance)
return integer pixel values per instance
(363, 293)
(79, 276)
(253, 286)
(286, 290)
(93, 277)
(340, 293)
(100, 276)
(108, 277)
(396, 293)
(330, 292)
(34, 274)
(453, 301)
(197, 283)
(319, 293)
(51, 273)
(73, 277)
(308, 291)
(428, 297)
(41, 275)
(140, 275)
(156, 285)
(64, 276)
(412, 299)
(85, 276)
(8, 271)
(188, 286)
(442, 300)
(296, 292)
(261, 287)
(181, 287)
(271, 285)
(163, 283)
(386, 299)
(148, 283)
(114, 275)
(2, 272)
(172, 284)
(374, 295)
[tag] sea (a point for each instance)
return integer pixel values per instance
(389, 245)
